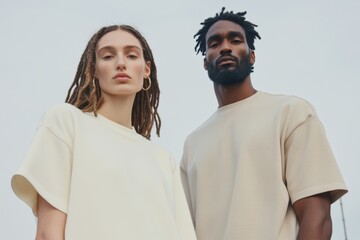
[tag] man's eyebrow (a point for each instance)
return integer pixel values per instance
(233, 34)
(214, 37)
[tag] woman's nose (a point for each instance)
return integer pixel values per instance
(120, 64)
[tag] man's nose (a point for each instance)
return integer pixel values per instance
(225, 47)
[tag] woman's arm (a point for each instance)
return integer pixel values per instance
(314, 218)
(51, 221)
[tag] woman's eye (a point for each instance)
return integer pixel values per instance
(132, 56)
(108, 57)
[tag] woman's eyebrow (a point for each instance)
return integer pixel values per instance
(106, 48)
(112, 49)
(130, 47)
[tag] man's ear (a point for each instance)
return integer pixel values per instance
(252, 56)
(205, 64)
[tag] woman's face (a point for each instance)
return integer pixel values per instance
(120, 64)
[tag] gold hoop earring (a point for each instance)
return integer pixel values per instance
(148, 87)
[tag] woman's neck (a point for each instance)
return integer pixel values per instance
(118, 110)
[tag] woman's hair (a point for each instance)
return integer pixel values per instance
(85, 92)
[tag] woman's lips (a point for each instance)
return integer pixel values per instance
(121, 76)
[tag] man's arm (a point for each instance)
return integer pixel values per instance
(51, 221)
(313, 214)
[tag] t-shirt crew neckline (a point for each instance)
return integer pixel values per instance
(117, 127)
(241, 102)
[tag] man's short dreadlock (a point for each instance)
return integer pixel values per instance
(237, 18)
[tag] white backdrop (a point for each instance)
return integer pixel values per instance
(309, 48)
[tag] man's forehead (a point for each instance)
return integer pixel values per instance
(222, 27)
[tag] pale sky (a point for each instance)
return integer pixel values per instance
(309, 48)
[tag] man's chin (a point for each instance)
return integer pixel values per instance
(228, 78)
(226, 82)
(228, 68)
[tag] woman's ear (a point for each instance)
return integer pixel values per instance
(148, 68)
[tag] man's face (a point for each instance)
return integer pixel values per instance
(228, 57)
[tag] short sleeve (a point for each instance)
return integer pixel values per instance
(185, 179)
(183, 217)
(46, 169)
(311, 167)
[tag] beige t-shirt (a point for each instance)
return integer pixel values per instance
(110, 181)
(244, 167)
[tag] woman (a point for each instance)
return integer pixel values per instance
(91, 172)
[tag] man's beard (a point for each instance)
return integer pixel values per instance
(226, 76)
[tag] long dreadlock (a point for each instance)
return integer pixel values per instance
(237, 18)
(85, 92)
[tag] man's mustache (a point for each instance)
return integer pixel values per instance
(226, 57)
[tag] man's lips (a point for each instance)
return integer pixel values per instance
(226, 60)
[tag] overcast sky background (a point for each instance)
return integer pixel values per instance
(309, 48)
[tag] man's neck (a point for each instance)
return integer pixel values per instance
(227, 94)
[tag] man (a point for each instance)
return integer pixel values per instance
(260, 167)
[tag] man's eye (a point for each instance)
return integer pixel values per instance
(237, 41)
(213, 45)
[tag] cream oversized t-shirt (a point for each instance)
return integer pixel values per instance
(244, 167)
(110, 181)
